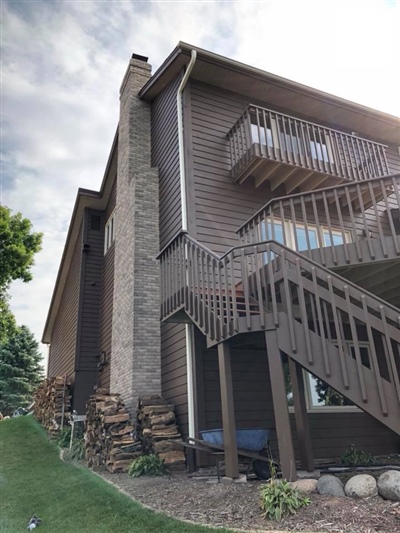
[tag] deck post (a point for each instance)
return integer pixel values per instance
(279, 398)
(228, 411)
(300, 413)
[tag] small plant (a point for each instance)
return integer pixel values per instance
(147, 465)
(77, 451)
(64, 437)
(354, 457)
(279, 499)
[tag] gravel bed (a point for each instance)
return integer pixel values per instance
(236, 505)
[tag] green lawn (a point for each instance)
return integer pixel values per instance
(68, 498)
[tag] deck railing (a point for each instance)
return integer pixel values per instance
(270, 135)
(325, 319)
(327, 218)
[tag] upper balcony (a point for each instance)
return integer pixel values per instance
(266, 145)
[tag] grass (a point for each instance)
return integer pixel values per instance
(67, 498)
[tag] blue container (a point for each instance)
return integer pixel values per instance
(252, 440)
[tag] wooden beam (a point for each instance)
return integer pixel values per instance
(300, 413)
(282, 422)
(228, 411)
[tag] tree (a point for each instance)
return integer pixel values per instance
(8, 325)
(20, 370)
(18, 245)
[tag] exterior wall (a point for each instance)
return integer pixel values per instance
(107, 300)
(165, 156)
(136, 364)
(173, 371)
(63, 341)
(221, 206)
(331, 433)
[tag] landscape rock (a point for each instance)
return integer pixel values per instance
(305, 486)
(330, 485)
(361, 486)
(389, 485)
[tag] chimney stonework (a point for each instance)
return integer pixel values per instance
(136, 353)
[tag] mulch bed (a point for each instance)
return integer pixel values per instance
(236, 505)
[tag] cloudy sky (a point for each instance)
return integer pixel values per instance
(63, 61)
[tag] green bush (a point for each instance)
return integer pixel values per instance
(147, 465)
(353, 457)
(278, 499)
(64, 437)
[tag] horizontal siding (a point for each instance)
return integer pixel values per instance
(331, 433)
(165, 156)
(107, 295)
(173, 371)
(221, 206)
(63, 339)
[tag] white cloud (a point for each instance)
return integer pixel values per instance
(63, 63)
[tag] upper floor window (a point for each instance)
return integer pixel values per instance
(109, 232)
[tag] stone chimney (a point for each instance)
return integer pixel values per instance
(136, 358)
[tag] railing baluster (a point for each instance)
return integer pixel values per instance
(364, 218)
(321, 322)
(339, 335)
(319, 236)
(303, 313)
(391, 363)
(341, 224)
(259, 288)
(328, 221)
(377, 219)
(353, 218)
(374, 358)
(289, 304)
(272, 286)
(356, 345)
(392, 228)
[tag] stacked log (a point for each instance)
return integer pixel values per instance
(158, 432)
(110, 439)
(52, 404)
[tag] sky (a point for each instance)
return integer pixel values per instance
(62, 64)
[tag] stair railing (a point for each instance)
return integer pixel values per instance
(249, 287)
(331, 217)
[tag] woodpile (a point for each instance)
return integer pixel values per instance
(110, 436)
(158, 432)
(52, 404)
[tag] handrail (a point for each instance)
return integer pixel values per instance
(283, 139)
(355, 216)
(273, 201)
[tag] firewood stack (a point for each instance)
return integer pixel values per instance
(158, 432)
(52, 404)
(110, 439)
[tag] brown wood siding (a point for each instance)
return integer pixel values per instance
(221, 206)
(165, 156)
(107, 299)
(63, 340)
(331, 433)
(173, 371)
(88, 338)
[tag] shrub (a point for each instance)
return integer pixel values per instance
(147, 465)
(77, 451)
(354, 457)
(278, 499)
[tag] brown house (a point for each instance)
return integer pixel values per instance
(261, 218)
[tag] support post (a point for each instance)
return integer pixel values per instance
(279, 398)
(228, 411)
(300, 413)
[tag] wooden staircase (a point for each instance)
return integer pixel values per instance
(319, 318)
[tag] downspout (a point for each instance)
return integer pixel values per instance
(188, 327)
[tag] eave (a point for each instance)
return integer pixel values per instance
(260, 86)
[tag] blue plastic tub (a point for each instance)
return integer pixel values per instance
(252, 440)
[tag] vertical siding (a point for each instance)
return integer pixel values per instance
(173, 371)
(165, 156)
(63, 340)
(331, 433)
(107, 299)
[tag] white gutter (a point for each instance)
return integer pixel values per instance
(189, 327)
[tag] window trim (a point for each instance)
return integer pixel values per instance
(109, 232)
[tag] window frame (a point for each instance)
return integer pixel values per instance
(109, 232)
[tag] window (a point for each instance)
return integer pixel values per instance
(296, 235)
(109, 233)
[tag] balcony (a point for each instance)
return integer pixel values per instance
(269, 146)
